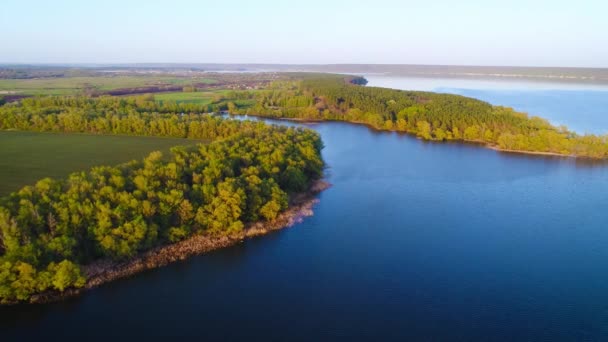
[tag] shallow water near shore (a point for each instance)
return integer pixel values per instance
(414, 240)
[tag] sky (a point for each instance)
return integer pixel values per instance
(464, 32)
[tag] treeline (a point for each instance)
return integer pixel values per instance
(34, 72)
(114, 115)
(430, 116)
(47, 231)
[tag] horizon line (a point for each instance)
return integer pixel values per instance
(135, 64)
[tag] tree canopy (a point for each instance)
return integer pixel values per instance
(50, 229)
(430, 116)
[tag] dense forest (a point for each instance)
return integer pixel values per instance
(49, 230)
(114, 115)
(430, 116)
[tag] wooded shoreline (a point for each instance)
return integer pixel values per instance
(475, 142)
(104, 271)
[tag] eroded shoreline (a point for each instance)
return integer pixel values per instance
(104, 271)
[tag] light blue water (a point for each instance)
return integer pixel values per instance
(583, 108)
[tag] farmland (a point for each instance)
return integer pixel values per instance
(75, 85)
(201, 98)
(27, 157)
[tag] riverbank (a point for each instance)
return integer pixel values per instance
(537, 153)
(476, 142)
(104, 271)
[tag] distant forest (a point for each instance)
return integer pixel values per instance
(430, 116)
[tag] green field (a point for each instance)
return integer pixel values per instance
(26, 157)
(201, 98)
(73, 85)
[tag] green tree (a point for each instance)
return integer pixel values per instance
(423, 129)
(67, 275)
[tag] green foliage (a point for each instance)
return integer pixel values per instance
(49, 230)
(431, 116)
(20, 280)
(423, 129)
(141, 116)
(66, 274)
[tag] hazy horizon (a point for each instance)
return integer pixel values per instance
(473, 33)
(203, 63)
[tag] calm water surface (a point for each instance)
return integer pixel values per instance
(583, 108)
(415, 240)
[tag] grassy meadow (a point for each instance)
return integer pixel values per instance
(200, 98)
(26, 157)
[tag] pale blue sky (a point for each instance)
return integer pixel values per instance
(470, 32)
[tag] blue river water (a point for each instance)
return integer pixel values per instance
(414, 241)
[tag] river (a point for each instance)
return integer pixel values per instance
(415, 240)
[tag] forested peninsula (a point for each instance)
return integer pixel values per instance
(58, 236)
(429, 116)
